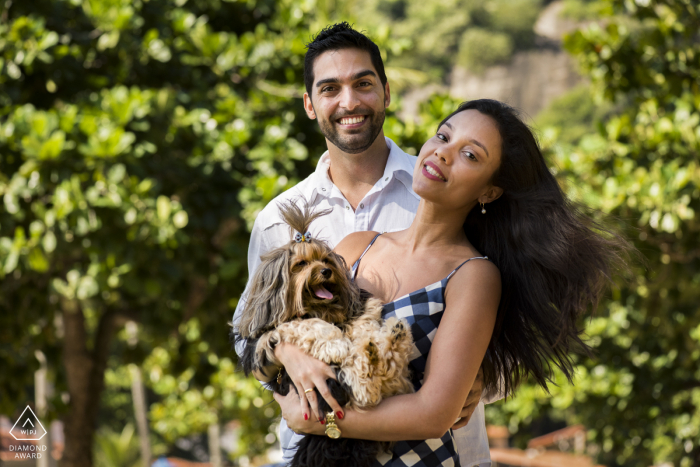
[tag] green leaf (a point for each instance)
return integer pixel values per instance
(53, 146)
(37, 260)
(180, 219)
(163, 206)
(49, 241)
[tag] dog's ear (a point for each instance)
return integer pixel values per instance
(339, 260)
(349, 293)
(266, 302)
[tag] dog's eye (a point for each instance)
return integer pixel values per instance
(302, 263)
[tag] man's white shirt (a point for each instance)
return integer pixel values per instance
(389, 206)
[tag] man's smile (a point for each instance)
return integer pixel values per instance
(352, 121)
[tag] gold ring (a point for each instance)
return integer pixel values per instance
(308, 391)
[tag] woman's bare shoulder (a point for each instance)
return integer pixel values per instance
(478, 266)
(477, 277)
(352, 246)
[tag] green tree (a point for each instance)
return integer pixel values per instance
(137, 140)
(117, 449)
(640, 395)
(439, 35)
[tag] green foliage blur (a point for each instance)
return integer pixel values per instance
(640, 395)
(139, 139)
(434, 36)
(117, 449)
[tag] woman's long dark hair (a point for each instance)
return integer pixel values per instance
(554, 260)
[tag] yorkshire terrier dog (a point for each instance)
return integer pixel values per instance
(303, 294)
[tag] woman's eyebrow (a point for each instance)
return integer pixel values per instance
(447, 124)
(481, 146)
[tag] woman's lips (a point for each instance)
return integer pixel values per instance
(433, 172)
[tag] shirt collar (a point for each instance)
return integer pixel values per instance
(399, 165)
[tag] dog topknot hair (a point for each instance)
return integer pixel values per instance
(300, 219)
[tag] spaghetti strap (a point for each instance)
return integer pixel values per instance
(457, 268)
(356, 266)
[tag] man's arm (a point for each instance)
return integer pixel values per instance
(496, 395)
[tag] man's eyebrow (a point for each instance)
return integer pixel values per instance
(362, 74)
(326, 81)
(354, 77)
(447, 124)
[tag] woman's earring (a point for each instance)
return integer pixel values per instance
(483, 209)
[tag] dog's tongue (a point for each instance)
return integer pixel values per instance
(321, 292)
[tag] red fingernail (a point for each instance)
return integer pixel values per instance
(323, 422)
(306, 417)
(339, 414)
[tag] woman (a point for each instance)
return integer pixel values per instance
(493, 272)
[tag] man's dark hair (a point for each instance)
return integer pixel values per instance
(337, 37)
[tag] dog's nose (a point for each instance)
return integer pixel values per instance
(326, 272)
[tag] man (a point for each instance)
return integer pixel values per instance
(365, 180)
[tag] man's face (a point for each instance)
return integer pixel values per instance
(348, 99)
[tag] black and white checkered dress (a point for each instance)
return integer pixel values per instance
(423, 311)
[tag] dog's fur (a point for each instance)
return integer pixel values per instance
(369, 355)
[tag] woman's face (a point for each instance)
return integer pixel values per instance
(455, 166)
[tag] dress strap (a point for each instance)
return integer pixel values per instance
(457, 268)
(356, 266)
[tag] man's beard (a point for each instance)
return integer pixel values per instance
(353, 143)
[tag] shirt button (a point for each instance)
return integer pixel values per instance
(362, 205)
(386, 179)
(347, 207)
(323, 189)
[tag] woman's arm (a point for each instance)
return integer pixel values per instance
(459, 346)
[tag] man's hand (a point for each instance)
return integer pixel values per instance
(472, 401)
(308, 373)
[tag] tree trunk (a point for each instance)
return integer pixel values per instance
(85, 377)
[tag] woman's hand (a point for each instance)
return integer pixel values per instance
(308, 373)
(293, 415)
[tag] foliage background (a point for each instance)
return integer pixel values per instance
(138, 139)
